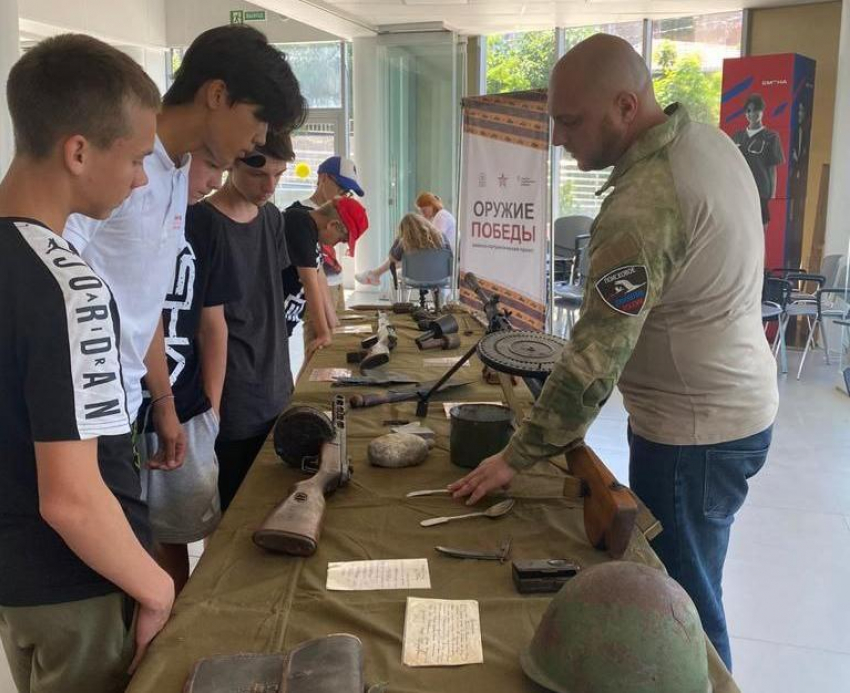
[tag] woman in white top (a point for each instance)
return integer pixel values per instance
(431, 207)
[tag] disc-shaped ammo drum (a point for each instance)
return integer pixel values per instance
(298, 436)
(520, 352)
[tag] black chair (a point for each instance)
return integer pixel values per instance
(567, 232)
(775, 295)
(427, 270)
(569, 295)
(805, 302)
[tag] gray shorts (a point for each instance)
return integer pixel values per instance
(183, 503)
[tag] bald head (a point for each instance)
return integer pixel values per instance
(604, 65)
(601, 99)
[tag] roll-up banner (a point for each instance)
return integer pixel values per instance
(504, 200)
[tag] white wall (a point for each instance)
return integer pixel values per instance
(137, 27)
(185, 19)
(131, 22)
(838, 211)
(153, 60)
(8, 56)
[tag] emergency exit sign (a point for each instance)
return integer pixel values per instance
(242, 16)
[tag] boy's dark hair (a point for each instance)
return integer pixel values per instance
(73, 84)
(756, 100)
(278, 146)
(252, 70)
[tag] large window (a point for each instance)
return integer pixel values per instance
(687, 60)
(318, 67)
(576, 190)
(630, 31)
(516, 62)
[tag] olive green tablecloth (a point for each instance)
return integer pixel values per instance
(241, 599)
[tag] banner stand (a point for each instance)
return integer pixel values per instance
(505, 202)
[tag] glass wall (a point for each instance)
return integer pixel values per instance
(423, 91)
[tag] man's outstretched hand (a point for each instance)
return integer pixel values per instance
(493, 473)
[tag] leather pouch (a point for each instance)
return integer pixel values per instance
(333, 664)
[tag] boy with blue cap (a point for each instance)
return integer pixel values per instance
(337, 176)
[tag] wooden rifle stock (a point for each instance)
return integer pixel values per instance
(379, 345)
(294, 526)
(610, 510)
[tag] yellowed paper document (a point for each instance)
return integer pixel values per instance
(399, 574)
(328, 375)
(447, 406)
(441, 632)
(442, 361)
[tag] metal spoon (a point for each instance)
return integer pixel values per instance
(496, 510)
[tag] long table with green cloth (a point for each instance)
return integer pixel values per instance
(242, 599)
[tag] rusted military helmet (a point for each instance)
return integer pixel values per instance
(619, 627)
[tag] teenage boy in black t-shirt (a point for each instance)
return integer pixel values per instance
(258, 381)
(183, 502)
(341, 219)
(72, 525)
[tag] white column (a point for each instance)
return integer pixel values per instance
(370, 147)
(10, 50)
(838, 210)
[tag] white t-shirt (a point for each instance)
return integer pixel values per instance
(445, 223)
(135, 250)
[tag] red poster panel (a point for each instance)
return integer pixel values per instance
(766, 110)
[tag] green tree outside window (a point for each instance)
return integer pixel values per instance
(682, 79)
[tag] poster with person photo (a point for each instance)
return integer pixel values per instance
(766, 110)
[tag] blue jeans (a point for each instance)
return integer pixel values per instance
(695, 491)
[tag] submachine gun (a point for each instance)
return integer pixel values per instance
(304, 438)
(610, 510)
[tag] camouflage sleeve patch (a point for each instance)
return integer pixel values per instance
(624, 289)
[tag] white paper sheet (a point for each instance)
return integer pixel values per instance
(441, 632)
(397, 574)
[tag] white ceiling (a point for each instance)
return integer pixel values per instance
(363, 17)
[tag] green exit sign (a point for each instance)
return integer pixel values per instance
(242, 16)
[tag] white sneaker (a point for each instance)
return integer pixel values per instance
(369, 277)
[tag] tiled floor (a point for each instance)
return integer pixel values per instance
(788, 569)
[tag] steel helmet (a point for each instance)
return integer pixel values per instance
(619, 627)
